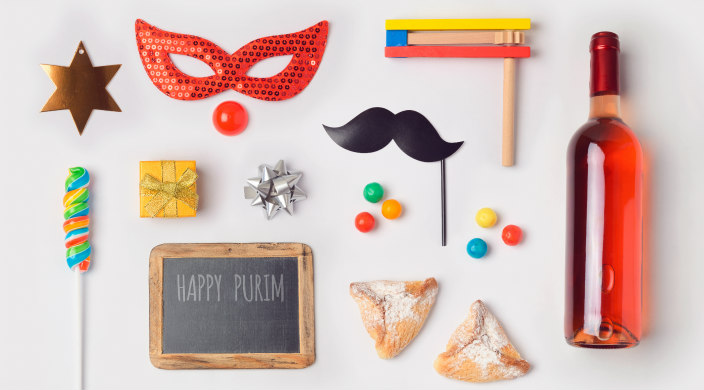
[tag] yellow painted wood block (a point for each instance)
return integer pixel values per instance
(458, 24)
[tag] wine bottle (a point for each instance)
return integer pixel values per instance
(604, 215)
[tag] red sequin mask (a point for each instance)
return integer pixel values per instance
(306, 47)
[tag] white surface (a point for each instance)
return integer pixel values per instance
(523, 286)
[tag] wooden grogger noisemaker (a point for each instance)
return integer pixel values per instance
(468, 38)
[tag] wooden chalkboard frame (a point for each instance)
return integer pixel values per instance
(175, 361)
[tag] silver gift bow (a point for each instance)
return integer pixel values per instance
(275, 189)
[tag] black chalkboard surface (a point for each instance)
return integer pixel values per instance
(231, 306)
(255, 299)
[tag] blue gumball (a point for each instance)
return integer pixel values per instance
(476, 248)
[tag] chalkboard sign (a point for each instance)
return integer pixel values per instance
(231, 306)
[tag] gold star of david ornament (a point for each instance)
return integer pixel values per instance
(80, 88)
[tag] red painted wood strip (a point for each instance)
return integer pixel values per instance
(458, 51)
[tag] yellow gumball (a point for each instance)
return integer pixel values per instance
(486, 217)
(391, 209)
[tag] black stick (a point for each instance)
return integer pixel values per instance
(442, 198)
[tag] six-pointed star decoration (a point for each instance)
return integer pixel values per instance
(275, 189)
(80, 88)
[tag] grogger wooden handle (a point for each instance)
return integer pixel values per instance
(508, 139)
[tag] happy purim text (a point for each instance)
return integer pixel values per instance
(247, 287)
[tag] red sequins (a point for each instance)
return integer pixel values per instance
(155, 45)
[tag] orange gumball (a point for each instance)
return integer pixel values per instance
(230, 118)
(391, 209)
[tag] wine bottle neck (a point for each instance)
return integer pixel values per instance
(604, 86)
(605, 106)
(604, 64)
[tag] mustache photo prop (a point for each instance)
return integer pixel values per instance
(373, 129)
(376, 127)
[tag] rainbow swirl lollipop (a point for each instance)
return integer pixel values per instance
(76, 215)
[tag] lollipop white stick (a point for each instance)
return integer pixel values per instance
(79, 329)
(77, 247)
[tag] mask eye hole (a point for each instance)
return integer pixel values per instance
(191, 66)
(269, 67)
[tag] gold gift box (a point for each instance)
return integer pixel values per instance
(167, 189)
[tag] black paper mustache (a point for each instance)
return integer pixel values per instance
(374, 128)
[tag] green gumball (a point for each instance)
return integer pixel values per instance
(373, 192)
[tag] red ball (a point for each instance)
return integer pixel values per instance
(511, 235)
(230, 118)
(364, 222)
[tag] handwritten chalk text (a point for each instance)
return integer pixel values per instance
(259, 288)
(198, 287)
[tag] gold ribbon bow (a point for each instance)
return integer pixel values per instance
(166, 192)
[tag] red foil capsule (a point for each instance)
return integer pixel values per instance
(604, 66)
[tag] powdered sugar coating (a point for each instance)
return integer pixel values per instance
(393, 312)
(399, 304)
(480, 344)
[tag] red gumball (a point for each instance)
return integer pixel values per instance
(364, 222)
(230, 118)
(511, 235)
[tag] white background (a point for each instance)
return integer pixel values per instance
(523, 286)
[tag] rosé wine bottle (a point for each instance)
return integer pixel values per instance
(604, 216)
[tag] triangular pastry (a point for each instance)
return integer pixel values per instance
(394, 312)
(479, 350)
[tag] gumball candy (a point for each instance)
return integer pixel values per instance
(476, 248)
(364, 222)
(373, 192)
(485, 217)
(230, 118)
(391, 209)
(511, 235)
